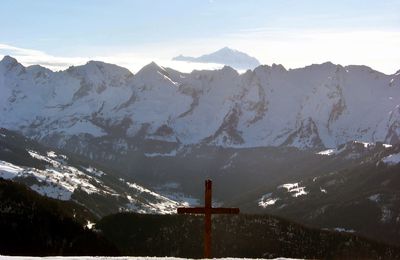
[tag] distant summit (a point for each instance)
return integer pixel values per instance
(225, 56)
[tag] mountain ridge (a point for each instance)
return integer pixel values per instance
(321, 105)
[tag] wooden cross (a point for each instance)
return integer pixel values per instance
(207, 210)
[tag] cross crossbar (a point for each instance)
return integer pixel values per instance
(208, 210)
(202, 210)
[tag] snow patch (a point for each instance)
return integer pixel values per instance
(366, 144)
(51, 154)
(339, 229)
(170, 154)
(294, 188)
(89, 224)
(392, 159)
(163, 205)
(289, 186)
(266, 200)
(327, 152)
(9, 170)
(375, 198)
(94, 171)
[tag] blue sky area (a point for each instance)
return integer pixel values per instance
(292, 32)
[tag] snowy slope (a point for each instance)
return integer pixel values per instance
(322, 105)
(60, 181)
(56, 176)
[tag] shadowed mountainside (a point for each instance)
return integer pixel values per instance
(34, 225)
(256, 236)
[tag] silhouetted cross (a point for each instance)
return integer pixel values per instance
(207, 210)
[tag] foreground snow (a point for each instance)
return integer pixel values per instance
(115, 258)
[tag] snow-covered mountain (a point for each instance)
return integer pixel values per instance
(322, 105)
(225, 56)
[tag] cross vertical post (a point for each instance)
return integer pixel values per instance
(207, 219)
(207, 210)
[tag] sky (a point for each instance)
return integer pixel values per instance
(132, 33)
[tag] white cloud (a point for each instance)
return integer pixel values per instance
(298, 48)
(32, 57)
(292, 48)
(131, 60)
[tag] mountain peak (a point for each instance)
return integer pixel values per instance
(8, 60)
(150, 69)
(101, 65)
(227, 49)
(93, 67)
(229, 69)
(225, 56)
(11, 64)
(278, 67)
(95, 62)
(153, 65)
